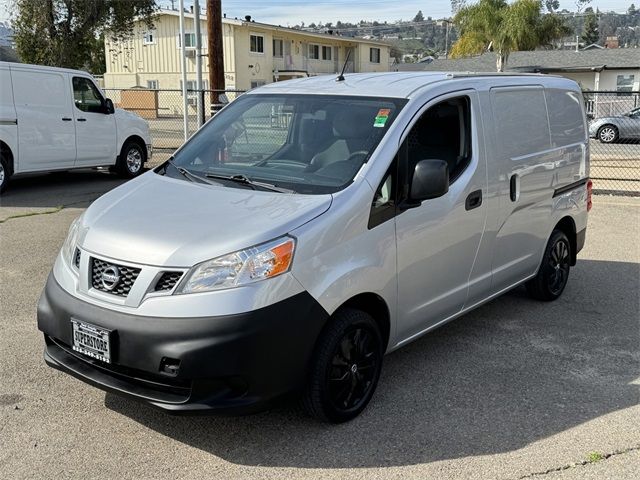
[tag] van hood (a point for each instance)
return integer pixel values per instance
(162, 221)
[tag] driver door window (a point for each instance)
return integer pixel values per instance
(86, 96)
(443, 133)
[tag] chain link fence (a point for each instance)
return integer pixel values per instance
(613, 117)
(163, 110)
(614, 128)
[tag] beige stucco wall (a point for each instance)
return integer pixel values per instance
(608, 79)
(586, 80)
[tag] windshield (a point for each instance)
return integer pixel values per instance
(305, 143)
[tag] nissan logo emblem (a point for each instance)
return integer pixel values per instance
(110, 277)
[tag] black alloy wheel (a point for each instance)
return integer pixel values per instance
(345, 368)
(553, 274)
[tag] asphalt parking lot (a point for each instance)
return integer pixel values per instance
(516, 389)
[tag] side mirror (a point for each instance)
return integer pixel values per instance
(109, 109)
(430, 180)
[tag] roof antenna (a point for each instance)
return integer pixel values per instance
(344, 67)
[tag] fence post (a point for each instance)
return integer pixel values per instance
(201, 112)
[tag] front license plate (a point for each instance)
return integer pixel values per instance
(91, 340)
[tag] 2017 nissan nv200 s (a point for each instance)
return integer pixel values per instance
(311, 227)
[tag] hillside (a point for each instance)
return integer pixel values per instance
(425, 36)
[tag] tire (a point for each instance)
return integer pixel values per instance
(608, 134)
(4, 173)
(345, 367)
(131, 160)
(553, 274)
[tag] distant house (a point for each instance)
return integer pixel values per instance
(598, 69)
(610, 70)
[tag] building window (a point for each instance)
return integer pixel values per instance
(256, 43)
(152, 84)
(624, 83)
(277, 47)
(326, 53)
(314, 52)
(374, 55)
(191, 85)
(149, 37)
(257, 83)
(189, 40)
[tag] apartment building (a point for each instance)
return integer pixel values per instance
(254, 54)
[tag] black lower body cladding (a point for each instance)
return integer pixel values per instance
(236, 363)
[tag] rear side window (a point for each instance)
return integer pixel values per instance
(565, 117)
(521, 124)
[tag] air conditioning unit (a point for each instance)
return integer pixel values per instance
(190, 53)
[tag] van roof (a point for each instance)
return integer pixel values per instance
(382, 84)
(42, 67)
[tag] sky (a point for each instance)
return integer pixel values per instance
(292, 12)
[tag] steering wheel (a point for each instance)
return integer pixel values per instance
(355, 154)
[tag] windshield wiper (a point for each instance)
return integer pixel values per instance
(243, 179)
(190, 175)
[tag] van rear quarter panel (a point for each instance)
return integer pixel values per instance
(542, 156)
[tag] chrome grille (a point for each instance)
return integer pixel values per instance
(167, 281)
(76, 258)
(122, 288)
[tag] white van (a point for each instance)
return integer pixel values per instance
(311, 227)
(58, 119)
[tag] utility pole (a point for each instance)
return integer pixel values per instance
(183, 66)
(446, 40)
(200, 99)
(216, 59)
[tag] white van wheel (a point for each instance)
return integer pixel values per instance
(131, 160)
(4, 174)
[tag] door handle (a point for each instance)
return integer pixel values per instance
(513, 187)
(474, 200)
(66, 119)
(82, 119)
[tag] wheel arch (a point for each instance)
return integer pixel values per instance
(567, 225)
(374, 305)
(6, 150)
(136, 139)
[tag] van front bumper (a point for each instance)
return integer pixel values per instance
(232, 363)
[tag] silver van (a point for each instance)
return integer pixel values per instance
(311, 227)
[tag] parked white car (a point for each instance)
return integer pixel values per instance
(58, 119)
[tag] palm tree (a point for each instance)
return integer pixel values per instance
(495, 25)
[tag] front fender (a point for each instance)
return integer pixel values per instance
(337, 257)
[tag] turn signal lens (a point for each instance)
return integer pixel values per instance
(242, 267)
(589, 193)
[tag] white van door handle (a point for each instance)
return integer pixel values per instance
(82, 119)
(66, 119)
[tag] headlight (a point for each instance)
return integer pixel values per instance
(242, 267)
(69, 246)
